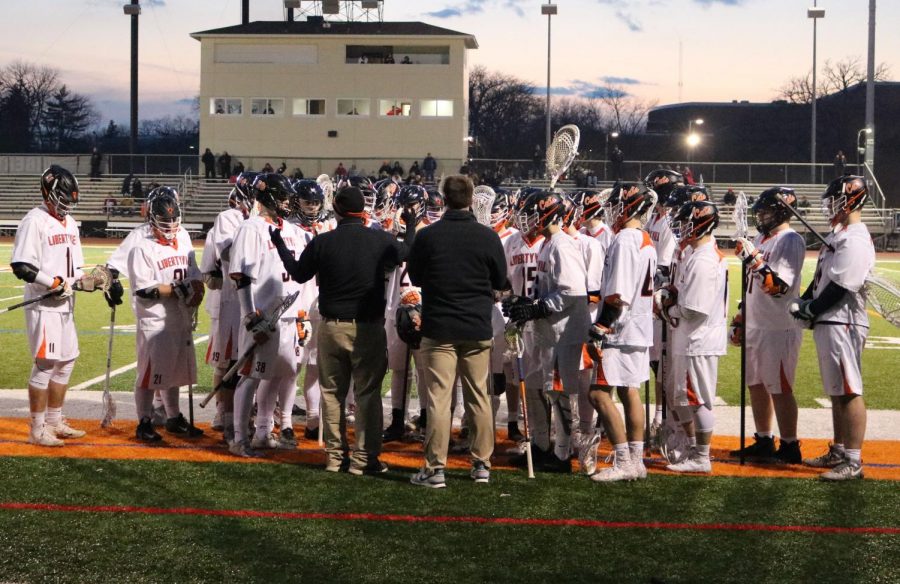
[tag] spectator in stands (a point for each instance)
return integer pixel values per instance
(125, 191)
(340, 171)
(282, 168)
(840, 161)
(406, 60)
(209, 164)
(353, 171)
(689, 176)
(109, 204)
(429, 165)
(397, 169)
(224, 165)
(137, 190)
(729, 198)
(268, 168)
(537, 162)
(238, 169)
(297, 174)
(96, 157)
(414, 169)
(803, 203)
(363, 60)
(389, 59)
(616, 158)
(385, 170)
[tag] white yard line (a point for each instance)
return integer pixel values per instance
(12, 298)
(825, 403)
(719, 401)
(120, 370)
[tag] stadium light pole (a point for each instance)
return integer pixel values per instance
(815, 14)
(860, 149)
(134, 11)
(549, 10)
(692, 140)
(870, 98)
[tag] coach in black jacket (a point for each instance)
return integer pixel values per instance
(458, 263)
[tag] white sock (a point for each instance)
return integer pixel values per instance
(170, 402)
(657, 415)
(623, 454)
(765, 434)
(287, 395)
(157, 399)
(839, 448)
(703, 450)
(853, 455)
(243, 403)
(788, 440)
(38, 419)
(54, 416)
(266, 393)
(637, 450)
(143, 402)
(692, 440)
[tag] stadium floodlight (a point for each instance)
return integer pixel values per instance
(331, 7)
(369, 4)
(815, 13)
(292, 3)
(132, 9)
(693, 140)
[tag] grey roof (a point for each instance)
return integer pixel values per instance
(302, 28)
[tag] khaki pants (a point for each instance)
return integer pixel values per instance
(357, 352)
(442, 361)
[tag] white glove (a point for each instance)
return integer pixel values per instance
(61, 284)
(747, 252)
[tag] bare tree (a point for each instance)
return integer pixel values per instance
(67, 117)
(837, 76)
(626, 114)
(502, 113)
(39, 83)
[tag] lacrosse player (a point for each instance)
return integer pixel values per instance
(835, 305)
(166, 288)
(262, 284)
(47, 256)
(695, 306)
(774, 261)
(623, 333)
(560, 311)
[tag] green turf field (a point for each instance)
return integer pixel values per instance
(92, 316)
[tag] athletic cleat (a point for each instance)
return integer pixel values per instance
(146, 432)
(243, 449)
(480, 472)
(653, 435)
(762, 449)
(552, 463)
(180, 425)
(693, 463)
(286, 439)
(433, 479)
(518, 449)
(621, 470)
(789, 452)
(830, 459)
(158, 417)
(587, 453)
(311, 433)
(297, 411)
(372, 467)
(228, 435)
(45, 437)
(394, 432)
(845, 471)
(267, 441)
(63, 430)
(217, 424)
(513, 433)
(640, 470)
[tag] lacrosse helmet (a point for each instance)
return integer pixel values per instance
(627, 201)
(663, 180)
(59, 188)
(695, 219)
(500, 209)
(274, 192)
(307, 201)
(682, 194)
(539, 211)
(843, 196)
(434, 206)
(771, 211)
(571, 212)
(411, 197)
(591, 203)
(385, 194)
(164, 213)
(243, 196)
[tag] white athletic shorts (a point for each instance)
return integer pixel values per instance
(656, 349)
(275, 358)
(498, 363)
(840, 347)
(623, 366)
(228, 331)
(695, 378)
(214, 348)
(165, 358)
(772, 358)
(396, 348)
(533, 358)
(561, 364)
(51, 335)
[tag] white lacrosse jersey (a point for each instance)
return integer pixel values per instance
(562, 283)
(784, 252)
(210, 263)
(521, 262)
(662, 236)
(702, 284)
(54, 248)
(152, 263)
(594, 257)
(223, 231)
(630, 265)
(254, 255)
(119, 258)
(398, 284)
(848, 266)
(309, 290)
(602, 233)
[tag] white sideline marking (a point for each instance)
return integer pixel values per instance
(883, 343)
(120, 370)
(719, 402)
(12, 298)
(825, 403)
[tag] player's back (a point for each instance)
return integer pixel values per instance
(702, 285)
(630, 265)
(848, 265)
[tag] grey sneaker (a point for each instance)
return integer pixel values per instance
(372, 467)
(587, 453)
(243, 449)
(830, 459)
(480, 472)
(158, 417)
(845, 471)
(433, 479)
(287, 440)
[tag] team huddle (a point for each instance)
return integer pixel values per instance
(604, 287)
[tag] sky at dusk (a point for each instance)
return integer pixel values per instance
(732, 49)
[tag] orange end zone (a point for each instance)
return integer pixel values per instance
(881, 457)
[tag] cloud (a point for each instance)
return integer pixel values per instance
(708, 3)
(624, 12)
(470, 7)
(445, 13)
(629, 20)
(620, 80)
(581, 89)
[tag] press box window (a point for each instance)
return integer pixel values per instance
(437, 108)
(353, 107)
(224, 106)
(309, 107)
(266, 107)
(395, 107)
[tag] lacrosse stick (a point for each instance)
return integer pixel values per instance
(562, 152)
(327, 185)
(193, 431)
(100, 278)
(514, 339)
(884, 296)
(740, 224)
(271, 322)
(482, 201)
(809, 227)
(109, 405)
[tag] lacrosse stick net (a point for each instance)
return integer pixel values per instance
(884, 296)
(740, 215)
(324, 181)
(562, 152)
(482, 201)
(100, 278)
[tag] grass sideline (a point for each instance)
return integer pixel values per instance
(101, 547)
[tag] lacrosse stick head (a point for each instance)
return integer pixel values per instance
(109, 410)
(884, 296)
(739, 216)
(482, 202)
(327, 186)
(515, 346)
(100, 278)
(562, 152)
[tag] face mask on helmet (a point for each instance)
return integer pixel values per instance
(274, 192)
(307, 201)
(540, 211)
(626, 202)
(662, 181)
(500, 210)
(434, 207)
(59, 189)
(164, 214)
(769, 211)
(412, 197)
(243, 195)
(694, 220)
(843, 196)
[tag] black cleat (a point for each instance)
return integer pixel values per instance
(145, 431)
(394, 432)
(550, 463)
(297, 411)
(762, 449)
(789, 452)
(512, 432)
(311, 433)
(180, 425)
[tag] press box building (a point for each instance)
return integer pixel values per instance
(329, 92)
